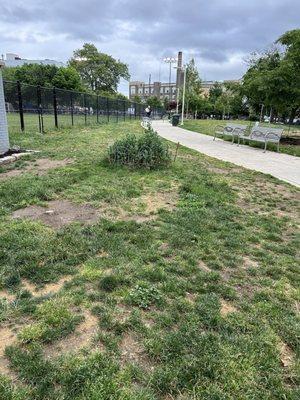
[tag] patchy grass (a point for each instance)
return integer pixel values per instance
(207, 127)
(184, 285)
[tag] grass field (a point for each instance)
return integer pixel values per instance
(185, 286)
(31, 121)
(208, 126)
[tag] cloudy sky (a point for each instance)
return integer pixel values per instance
(219, 34)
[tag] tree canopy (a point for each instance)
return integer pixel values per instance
(273, 77)
(99, 72)
(45, 75)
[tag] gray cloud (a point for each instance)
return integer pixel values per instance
(218, 33)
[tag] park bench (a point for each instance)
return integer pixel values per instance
(234, 130)
(263, 135)
(146, 123)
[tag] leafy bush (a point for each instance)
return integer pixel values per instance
(148, 151)
(144, 295)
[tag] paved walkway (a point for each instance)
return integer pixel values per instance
(282, 166)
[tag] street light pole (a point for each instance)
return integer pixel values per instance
(170, 61)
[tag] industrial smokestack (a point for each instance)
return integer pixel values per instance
(179, 75)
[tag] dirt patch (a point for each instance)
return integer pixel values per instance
(4, 294)
(223, 171)
(191, 297)
(143, 208)
(203, 266)
(226, 308)
(81, 338)
(39, 167)
(50, 288)
(59, 213)
(122, 313)
(160, 200)
(249, 263)
(132, 352)
(7, 338)
(286, 355)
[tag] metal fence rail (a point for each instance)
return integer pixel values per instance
(40, 109)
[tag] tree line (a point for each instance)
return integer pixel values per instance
(270, 86)
(88, 70)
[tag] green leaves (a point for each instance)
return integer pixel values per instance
(99, 72)
(147, 151)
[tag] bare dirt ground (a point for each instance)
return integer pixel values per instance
(81, 338)
(59, 213)
(40, 167)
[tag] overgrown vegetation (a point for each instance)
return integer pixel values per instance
(197, 301)
(144, 151)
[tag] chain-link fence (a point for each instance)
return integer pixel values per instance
(40, 109)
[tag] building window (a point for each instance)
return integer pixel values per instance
(132, 90)
(140, 91)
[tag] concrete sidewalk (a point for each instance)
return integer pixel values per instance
(282, 166)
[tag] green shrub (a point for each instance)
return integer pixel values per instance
(144, 295)
(146, 151)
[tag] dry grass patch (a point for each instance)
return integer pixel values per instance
(5, 295)
(141, 209)
(59, 213)
(133, 352)
(81, 338)
(203, 266)
(227, 308)
(39, 167)
(50, 288)
(286, 355)
(7, 338)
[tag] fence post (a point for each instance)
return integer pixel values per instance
(135, 105)
(72, 110)
(20, 100)
(107, 107)
(124, 110)
(40, 109)
(84, 105)
(97, 109)
(117, 110)
(55, 107)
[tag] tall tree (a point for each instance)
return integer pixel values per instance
(273, 78)
(67, 78)
(193, 84)
(45, 75)
(289, 71)
(99, 72)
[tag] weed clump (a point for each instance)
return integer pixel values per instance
(144, 296)
(146, 151)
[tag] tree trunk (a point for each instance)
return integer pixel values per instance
(292, 115)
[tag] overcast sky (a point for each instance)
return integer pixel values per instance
(219, 34)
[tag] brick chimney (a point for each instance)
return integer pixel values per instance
(179, 75)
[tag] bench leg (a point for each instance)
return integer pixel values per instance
(265, 146)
